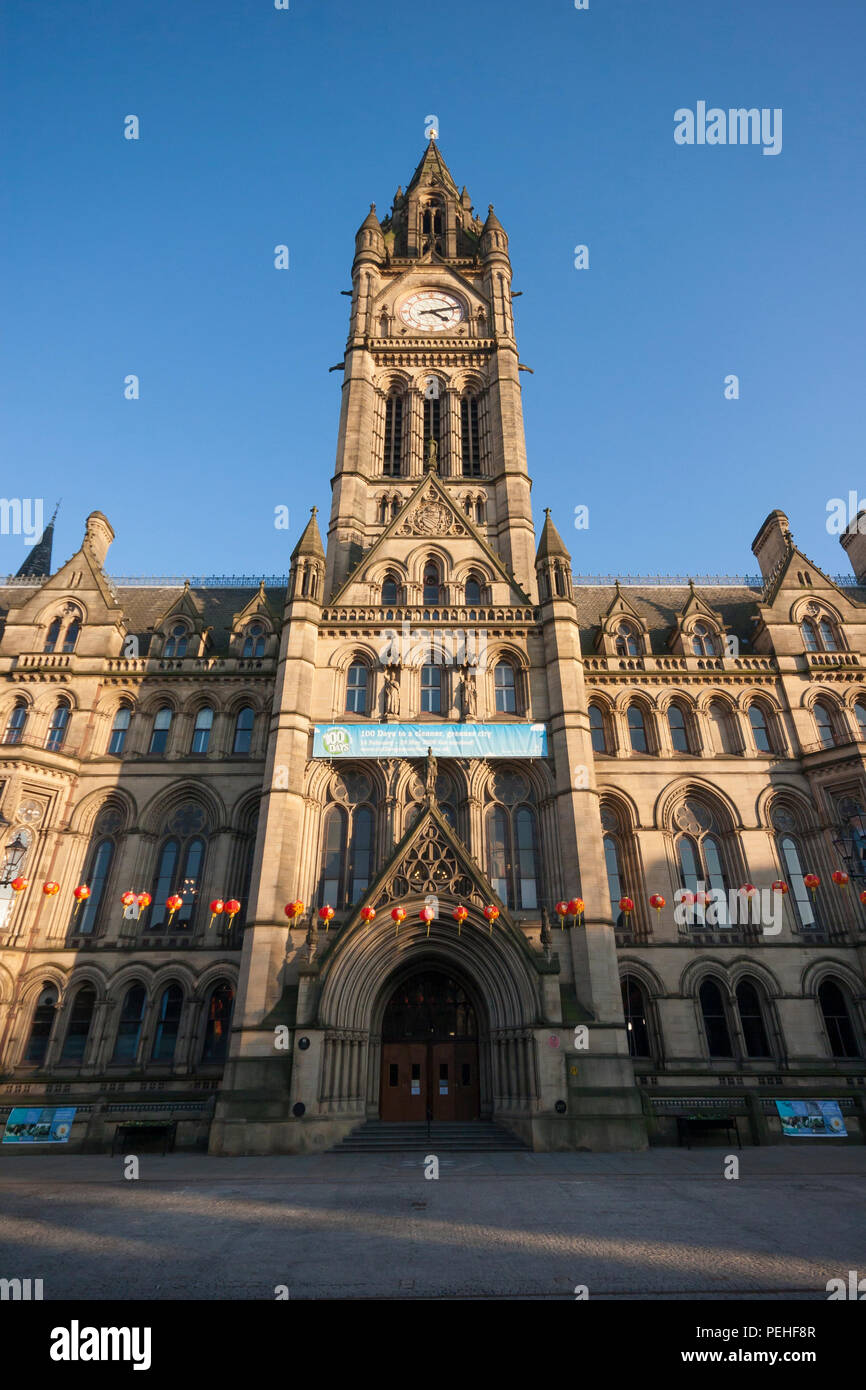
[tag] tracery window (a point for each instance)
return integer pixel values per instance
(179, 868)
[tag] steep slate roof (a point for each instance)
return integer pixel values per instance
(144, 606)
(432, 166)
(661, 606)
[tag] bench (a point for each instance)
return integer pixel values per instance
(688, 1125)
(132, 1131)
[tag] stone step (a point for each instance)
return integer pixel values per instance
(470, 1136)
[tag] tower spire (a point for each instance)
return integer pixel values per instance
(38, 562)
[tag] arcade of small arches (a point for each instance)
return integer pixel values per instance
(89, 1023)
(736, 1015)
(432, 418)
(716, 725)
(433, 685)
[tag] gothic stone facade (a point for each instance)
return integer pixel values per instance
(160, 739)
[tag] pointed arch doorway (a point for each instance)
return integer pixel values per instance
(429, 1050)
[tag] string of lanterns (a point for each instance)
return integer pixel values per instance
(231, 907)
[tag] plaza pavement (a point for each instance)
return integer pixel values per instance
(660, 1224)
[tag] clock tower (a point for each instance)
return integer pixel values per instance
(431, 375)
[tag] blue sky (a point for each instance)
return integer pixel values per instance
(261, 127)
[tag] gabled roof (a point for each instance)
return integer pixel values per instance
(429, 489)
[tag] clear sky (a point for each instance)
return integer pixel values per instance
(261, 127)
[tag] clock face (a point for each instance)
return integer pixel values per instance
(432, 311)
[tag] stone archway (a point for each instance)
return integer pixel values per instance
(358, 978)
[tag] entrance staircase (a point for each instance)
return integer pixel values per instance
(467, 1136)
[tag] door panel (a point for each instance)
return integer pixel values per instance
(467, 1102)
(442, 1081)
(405, 1076)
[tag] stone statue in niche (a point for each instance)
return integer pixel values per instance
(431, 462)
(469, 697)
(392, 693)
(432, 769)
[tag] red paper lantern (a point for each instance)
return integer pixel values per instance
(657, 901)
(294, 909)
(368, 913)
(576, 907)
(684, 896)
(174, 904)
(427, 914)
(779, 886)
(839, 877)
(325, 914)
(702, 898)
(19, 884)
(626, 905)
(128, 899)
(49, 888)
(863, 897)
(491, 913)
(748, 890)
(80, 894)
(144, 900)
(232, 908)
(460, 914)
(216, 908)
(812, 882)
(398, 915)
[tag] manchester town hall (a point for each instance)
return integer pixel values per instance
(434, 831)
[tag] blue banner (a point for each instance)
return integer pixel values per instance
(27, 1125)
(446, 740)
(811, 1119)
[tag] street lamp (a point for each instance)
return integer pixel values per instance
(13, 859)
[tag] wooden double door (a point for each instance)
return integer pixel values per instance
(435, 1078)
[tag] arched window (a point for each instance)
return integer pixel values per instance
(219, 1022)
(254, 642)
(389, 590)
(129, 1026)
(161, 726)
(760, 732)
(391, 461)
(431, 583)
(597, 731)
(810, 636)
(720, 727)
(480, 512)
(828, 636)
(837, 1020)
(504, 688)
(78, 1028)
(243, 738)
(860, 716)
(716, 1028)
(700, 859)
(513, 864)
(470, 440)
(52, 635)
(677, 726)
(177, 641)
(15, 725)
(201, 731)
(751, 1013)
(799, 893)
(636, 730)
(626, 641)
(180, 862)
(119, 730)
(824, 721)
(703, 640)
(167, 1024)
(431, 689)
(333, 857)
(360, 868)
(98, 868)
(40, 1028)
(356, 688)
(57, 727)
(70, 637)
(614, 877)
(635, 1011)
(473, 590)
(715, 874)
(689, 861)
